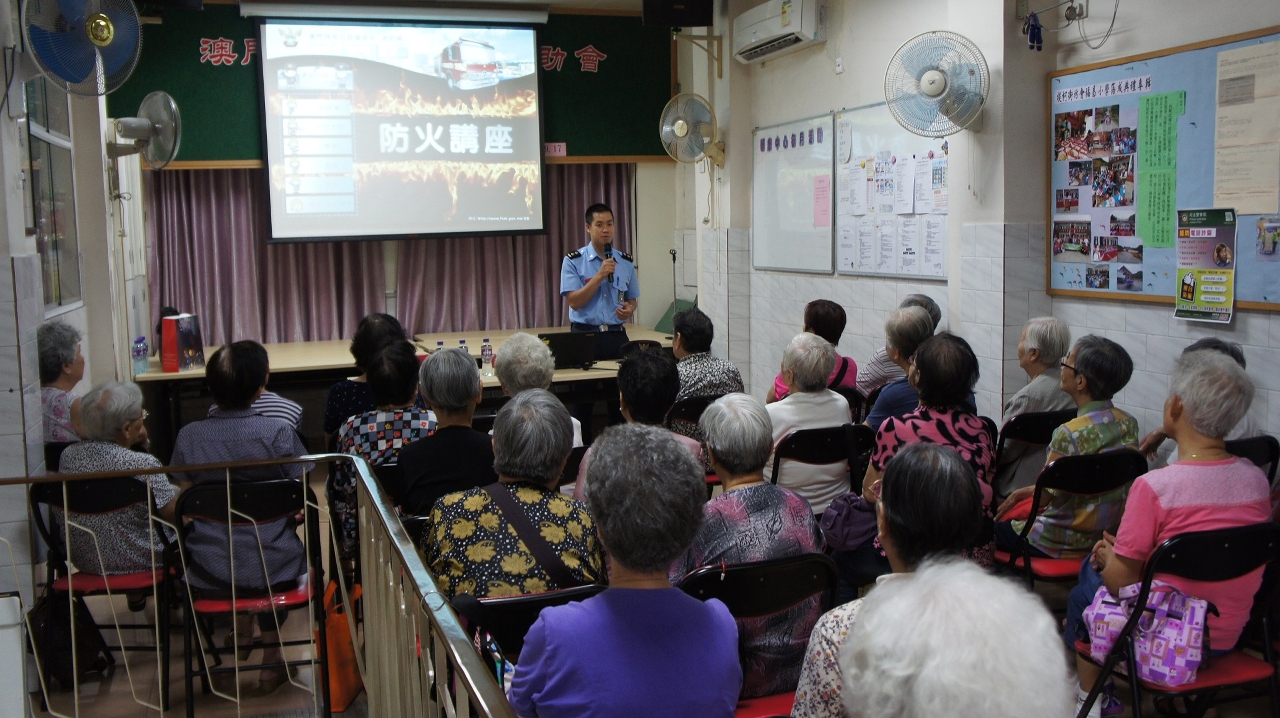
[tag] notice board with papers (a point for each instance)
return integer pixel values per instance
(1137, 139)
(892, 195)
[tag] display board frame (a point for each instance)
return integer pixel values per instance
(1194, 189)
(823, 126)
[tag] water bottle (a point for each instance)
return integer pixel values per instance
(486, 357)
(439, 346)
(140, 354)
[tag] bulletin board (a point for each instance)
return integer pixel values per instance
(891, 197)
(791, 196)
(1136, 139)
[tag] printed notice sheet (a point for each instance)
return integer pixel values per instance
(1246, 141)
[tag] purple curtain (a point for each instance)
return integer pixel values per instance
(507, 282)
(208, 254)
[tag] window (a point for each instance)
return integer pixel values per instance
(52, 192)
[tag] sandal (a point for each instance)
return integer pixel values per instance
(272, 678)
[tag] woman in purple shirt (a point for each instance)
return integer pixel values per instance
(641, 648)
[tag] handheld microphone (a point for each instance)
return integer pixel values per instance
(608, 254)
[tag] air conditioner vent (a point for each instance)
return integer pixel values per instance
(769, 47)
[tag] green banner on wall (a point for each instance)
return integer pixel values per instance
(208, 60)
(605, 80)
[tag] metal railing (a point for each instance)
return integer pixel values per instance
(414, 656)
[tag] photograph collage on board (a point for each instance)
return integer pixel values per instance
(1094, 190)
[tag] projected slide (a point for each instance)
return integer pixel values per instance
(377, 129)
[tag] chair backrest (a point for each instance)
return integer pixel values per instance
(690, 408)
(1035, 427)
(1263, 451)
(508, 619)
(260, 501)
(92, 496)
(414, 526)
(570, 473)
(53, 453)
(856, 408)
(483, 423)
(638, 345)
(1219, 555)
(1090, 474)
(391, 478)
(812, 446)
(763, 588)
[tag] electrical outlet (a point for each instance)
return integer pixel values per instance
(1077, 10)
(839, 65)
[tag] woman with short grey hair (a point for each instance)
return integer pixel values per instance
(1044, 342)
(641, 647)
(907, 328)
(754, 520)
(113, 419)
(476, 544)
(806, 364)
(455, 457)
(525, 362)
(61, 368)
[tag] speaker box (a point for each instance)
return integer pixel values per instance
(678, 13)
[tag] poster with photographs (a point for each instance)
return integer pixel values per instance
(1094, 180)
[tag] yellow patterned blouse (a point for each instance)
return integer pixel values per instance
(470, 547)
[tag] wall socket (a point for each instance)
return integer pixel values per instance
(1077, 10)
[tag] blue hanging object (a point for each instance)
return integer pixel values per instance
(1035, 33)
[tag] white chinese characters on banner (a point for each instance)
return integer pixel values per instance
(1103, 89)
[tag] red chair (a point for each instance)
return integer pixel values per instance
(1089, 475)
(254, 503)
(1203, 556)
(104, 496)
(764, 588)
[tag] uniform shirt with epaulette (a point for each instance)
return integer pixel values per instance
(580, 266)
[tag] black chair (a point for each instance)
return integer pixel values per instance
(856, 403)
(414, 526)
(690, 408)
(870, 404)
(1091, 474)
(53, 453)
(765, 588)
(391, 479)
(101, 496)
(256, 502)
(508, 618)
(638, 345)
(1209, 556)
(862, 441)
(483, 423)
(1034, 427)
(571, 466)
(812, 446)
(1263, 451)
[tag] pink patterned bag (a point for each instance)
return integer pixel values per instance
(1169, 637)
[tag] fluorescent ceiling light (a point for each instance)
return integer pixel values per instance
(524, 14)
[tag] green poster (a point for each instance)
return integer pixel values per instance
(1206, 265)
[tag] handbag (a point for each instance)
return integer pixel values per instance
(345, 682)
(51, 637)
(849, 522)
(1169, 640)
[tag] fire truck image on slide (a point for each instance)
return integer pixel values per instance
(468, 65)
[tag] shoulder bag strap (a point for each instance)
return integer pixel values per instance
(844, 369)
(538, 546)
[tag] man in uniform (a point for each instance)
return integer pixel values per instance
(600, 284)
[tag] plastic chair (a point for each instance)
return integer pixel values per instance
(414, 526)
(690, 408)
(862, 441)
(812, 446)
(391, 478)
(101, 496)
(1034, 427)
(53, 454)
(508, 618)
(856, 403)
(764, 588)
(262, 502)
(1263, 451)
(638, 345)
(1088, 475)
(571, 466)
(1210, 556)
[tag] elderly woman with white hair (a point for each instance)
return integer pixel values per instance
(476, 545)
(1206, 490)
(61, 368)
(806, 367)
(1043, 344)
(113, 422)
(455, 457)
(642, 647)
(525, 362)
(953, 640)
(753, 520)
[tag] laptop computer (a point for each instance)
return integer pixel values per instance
(571, 349)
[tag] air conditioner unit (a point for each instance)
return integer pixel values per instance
(778, 27)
